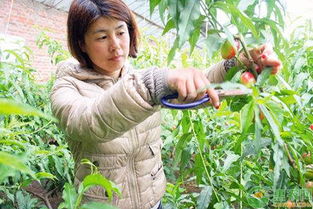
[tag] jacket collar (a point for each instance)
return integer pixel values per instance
(71, 67)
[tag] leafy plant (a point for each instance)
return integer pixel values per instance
(73, 198)
(201, 22)
(220, 148)
(55, 48)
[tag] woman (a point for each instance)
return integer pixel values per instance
(110, 113)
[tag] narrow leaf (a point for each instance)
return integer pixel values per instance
(169, 25)
(181, 144)
(15, 163)
(41, 175)
(263, 77)
(246, 116)
(204, 198)
(153, 4)
(163, 5)
(278, 158)
(69, 196)
(188, 15)
(244, 4)
(10, 107)
(97, 205)
(273, 124)
(172, 52)
(230, 159)
(99, 180)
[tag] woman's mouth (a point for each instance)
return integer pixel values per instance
(116, 58)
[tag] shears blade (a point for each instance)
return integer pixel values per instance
(233, 92)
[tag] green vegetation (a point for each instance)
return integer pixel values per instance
(226, 158)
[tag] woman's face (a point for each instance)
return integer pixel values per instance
(107, 45)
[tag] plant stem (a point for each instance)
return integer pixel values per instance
(240, 38)
(202, 158)
(240, 62)
(241, 177)
(44, 197)
(292, 161)
(41, 128)
(206, 9)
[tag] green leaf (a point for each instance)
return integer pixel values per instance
(230, 159)
(169, 25)
(188, 15)
(270, 7)
(6, 171)
(97, 205)
(99, 180)
(244, 19)
(196, 33)
(17, 56)
(58, 164)
(198, 168)
(246, 116)
(15, 162)
(253, 147)
(230, 8)
(232, 72)
(278, 158)
(275, 28)
(172, 52)
(163, 5)
(153, 4)
(181, 144)
(69, 196)
(263, 77)
(200, 132)
(256, 202)
(41, 175)
(258, 129)
(222, 205)
(213, 43)
(244, 4)
(204, 198)
(185, 159)
(25, 201)
(10, 142)
(174, 8)
(273, 124)
(10, 107)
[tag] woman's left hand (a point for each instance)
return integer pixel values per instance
(262, 56)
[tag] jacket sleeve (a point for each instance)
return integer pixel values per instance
(216, 73)
(117, 110)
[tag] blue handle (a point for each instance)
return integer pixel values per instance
(182, 106)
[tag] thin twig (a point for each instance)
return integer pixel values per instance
(43, 197)
(252, 67)
(292, 161)
(202, 158)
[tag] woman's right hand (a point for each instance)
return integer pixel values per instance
(188, 82)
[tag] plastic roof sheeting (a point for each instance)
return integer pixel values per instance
(151, 25)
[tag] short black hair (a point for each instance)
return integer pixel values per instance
(83, 13)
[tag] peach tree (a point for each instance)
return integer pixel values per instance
(253, 148)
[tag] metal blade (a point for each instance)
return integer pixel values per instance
(234, 92)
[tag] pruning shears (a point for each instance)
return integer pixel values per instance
(206, 98)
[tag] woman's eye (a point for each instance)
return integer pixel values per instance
(103, 37)
(121, 33)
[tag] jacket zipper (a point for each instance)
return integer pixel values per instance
(133, 180)
(133, 183)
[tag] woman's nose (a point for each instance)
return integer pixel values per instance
(114, 43)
